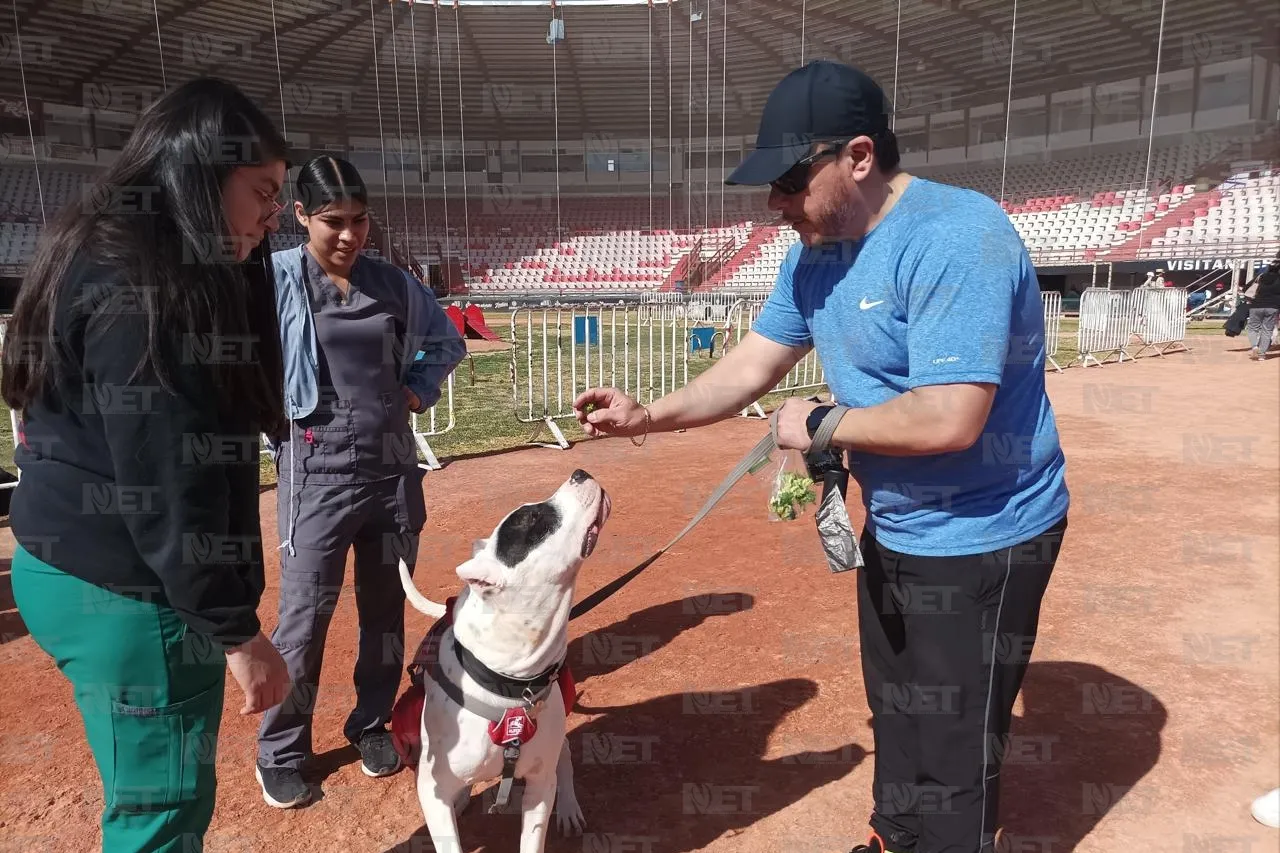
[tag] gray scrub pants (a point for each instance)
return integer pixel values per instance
(381, 521)
(1260, 326)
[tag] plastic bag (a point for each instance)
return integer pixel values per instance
(793, 490)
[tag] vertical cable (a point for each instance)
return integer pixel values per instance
(1008, 99)
(164, 79)
(404, 189)
(688, 139)
(417, 104)
(555, 99)
(706, 129)
(804, 8)
(462, 131)
(1151, 128)
(651, 224)
(897, 41)
(26, 105)
(724, 77)
(284, 117)
(671, 209)
(444, 162)
(382, 144)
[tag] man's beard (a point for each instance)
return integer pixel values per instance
(832, 223)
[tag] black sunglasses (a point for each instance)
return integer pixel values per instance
(796, 179)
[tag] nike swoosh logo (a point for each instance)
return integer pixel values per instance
(864, 304)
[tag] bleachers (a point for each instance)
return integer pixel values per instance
(1067, 211)
(20, 194)
(1242, 208)
(759, 270)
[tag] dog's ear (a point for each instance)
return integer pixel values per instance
(483, 573)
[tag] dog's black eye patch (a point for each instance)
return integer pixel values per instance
(524, 530)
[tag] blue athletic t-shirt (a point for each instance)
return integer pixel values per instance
(941, 291)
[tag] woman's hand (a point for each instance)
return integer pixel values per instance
(412, 399)
(261, 673)
(608, 411)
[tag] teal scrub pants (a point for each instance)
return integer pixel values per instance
(150, 694)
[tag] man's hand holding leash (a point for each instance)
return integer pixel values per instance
(790, 424)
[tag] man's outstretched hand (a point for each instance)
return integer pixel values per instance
(608, 411)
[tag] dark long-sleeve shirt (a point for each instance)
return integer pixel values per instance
(143, 492)
(1268, 295)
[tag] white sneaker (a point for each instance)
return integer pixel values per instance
(1266, 809)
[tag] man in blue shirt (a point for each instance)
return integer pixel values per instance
(924, 309)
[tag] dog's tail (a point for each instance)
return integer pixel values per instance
(420, 602)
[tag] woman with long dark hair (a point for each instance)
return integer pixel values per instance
(365, 344)
(144, 359)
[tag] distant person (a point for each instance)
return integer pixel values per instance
(139, 566)
(365, 344)
(1264, 304)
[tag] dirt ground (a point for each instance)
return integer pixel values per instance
(478, 345)
(724, 680)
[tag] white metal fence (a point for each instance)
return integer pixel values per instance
(646, 350)
(1111, 320)
(559, 352)
(1107, 321)
(1161, 322)
(15, 427)
(433, 417)
(808, 374)
(1051, 300)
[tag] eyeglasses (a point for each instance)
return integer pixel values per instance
(270, 200)
(796, 179)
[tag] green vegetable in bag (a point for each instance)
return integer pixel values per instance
(792, 492)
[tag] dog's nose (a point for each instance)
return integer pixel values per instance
(579, 476)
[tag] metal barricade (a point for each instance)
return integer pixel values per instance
(1160, 319)
(1107, 320)
(712, 306)
(559, 352)
(808, 373)
(1051, 301)
(433, 416)
(14, 425)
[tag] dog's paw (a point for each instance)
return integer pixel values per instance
(570, 819)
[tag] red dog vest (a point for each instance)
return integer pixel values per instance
(406, 717)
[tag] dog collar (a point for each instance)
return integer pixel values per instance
(508, 687)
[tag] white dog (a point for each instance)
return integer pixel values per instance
(492, 705)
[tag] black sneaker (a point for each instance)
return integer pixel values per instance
(378, 756)
(282, 787)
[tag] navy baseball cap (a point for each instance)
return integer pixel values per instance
(823, 100)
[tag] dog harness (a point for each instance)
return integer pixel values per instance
(509, 728)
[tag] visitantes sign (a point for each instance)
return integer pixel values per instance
(1206, 264)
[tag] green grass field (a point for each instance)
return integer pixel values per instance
(485, 415)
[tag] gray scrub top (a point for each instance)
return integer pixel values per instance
(359, 431)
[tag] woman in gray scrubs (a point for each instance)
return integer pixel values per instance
(364, 345)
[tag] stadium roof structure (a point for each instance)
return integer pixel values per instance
(489, 71)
